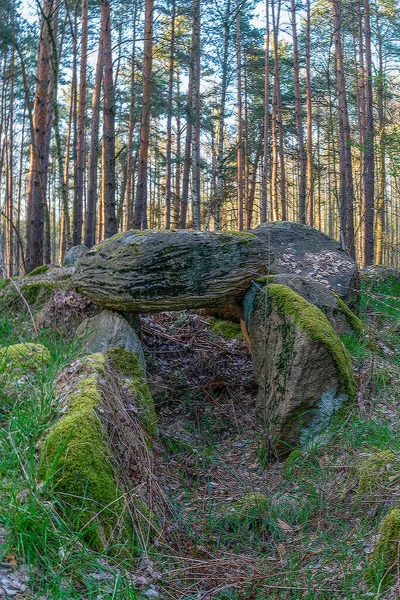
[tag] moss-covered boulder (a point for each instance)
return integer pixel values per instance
(303, 371)
(92, 458)
(376, 470)
(152, 271)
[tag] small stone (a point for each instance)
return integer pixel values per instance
(152, 593)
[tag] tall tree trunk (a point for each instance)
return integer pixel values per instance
(90, 224)
(140, 212)
(10, 170)
(219, 179)
(132, 123)
(240, 157)
(188, 143)
(299, 119)
(177, 194)
(40, 149)
(346, 171)
(381, 204)
(310, 177)
(168, 177)
(63, 173)
(80, 150)
(196, 189)
(110, 220)
(264, 192)
(369, 161)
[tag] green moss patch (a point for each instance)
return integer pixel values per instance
(39, 271)
(129, 365)
(376, 470)
(23, 358)
(388, 544)
(314, 322)
(226, 329)
(353, 321)
(77, 461)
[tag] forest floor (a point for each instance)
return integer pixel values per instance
(239, 527)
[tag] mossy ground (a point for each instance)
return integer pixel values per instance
(228, 330)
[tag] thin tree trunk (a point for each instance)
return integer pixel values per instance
(196, 189)
(80, 150)
(381, 204)
(140, 211)
(299, 119)
(168, 178)
(369, 160)
(240, 157)
(188, 143)
(132, 123)
(90, 224)
(110, 221)
(310, 178)
(219, 179)
(264, 192)
(40, 149)
(346, 172)
(10, 186)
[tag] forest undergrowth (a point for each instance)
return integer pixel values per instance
(239, 527)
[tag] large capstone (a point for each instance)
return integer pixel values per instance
(150, 271)
(304, 251)
(302, 369)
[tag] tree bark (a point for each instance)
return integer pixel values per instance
(310, 177)
(90, 224)
(299, 120)
(80, 150)
(240, 157)
(369, 160)
(110, 221)
(168, 175)
(346, 172)
(264, 196)
(140, 212)
(196, 188)
(40, 149)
